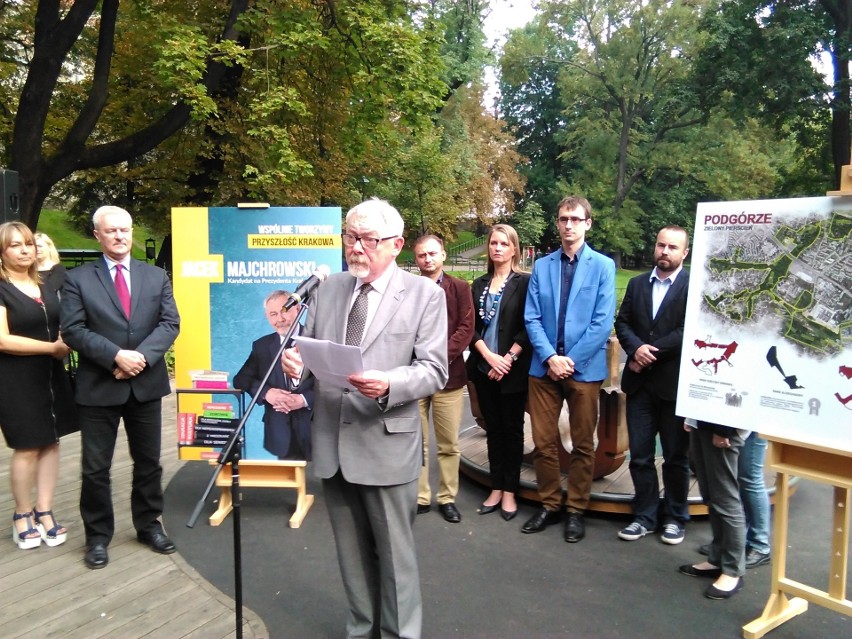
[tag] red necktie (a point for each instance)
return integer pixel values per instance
(122, 290)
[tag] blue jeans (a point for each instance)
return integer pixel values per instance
(753, 493)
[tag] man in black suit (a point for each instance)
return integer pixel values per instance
(649, 326)
(286, 416)
(119, 314)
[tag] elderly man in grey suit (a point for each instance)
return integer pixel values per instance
(367, 437)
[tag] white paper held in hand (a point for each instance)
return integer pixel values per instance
(329, 362)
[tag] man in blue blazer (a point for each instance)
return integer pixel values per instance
(569, 314)
(650, 329)
(286, 414)
(119, 314)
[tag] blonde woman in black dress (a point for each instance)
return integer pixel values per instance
(38, 407)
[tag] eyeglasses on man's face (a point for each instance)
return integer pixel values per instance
(369, 243)
(564, 219)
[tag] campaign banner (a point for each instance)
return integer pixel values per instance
(768, 335)
(226, 261)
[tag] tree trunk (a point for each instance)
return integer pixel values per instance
(841, 15)
(54, 38)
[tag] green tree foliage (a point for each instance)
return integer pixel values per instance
(626, 127)
(67, 58)
(463, 168)
(623, 92)
(210, 102)
(466, 165)
(131, 103)
(531, 103)
(463, 51)
(530, 223)
(757, 62)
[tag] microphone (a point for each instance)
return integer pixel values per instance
(307, 287)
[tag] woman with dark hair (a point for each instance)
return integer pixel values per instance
(498, 365)
(38, 407)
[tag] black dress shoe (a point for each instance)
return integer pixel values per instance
(484, 510)
(508, 515)
(575, 527)
(96, 556)
(715, 593)
(156, 540)
(422, 509)
(692, 571)
(541, 520)
(450, 512)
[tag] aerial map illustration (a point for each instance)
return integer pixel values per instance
(795, 273)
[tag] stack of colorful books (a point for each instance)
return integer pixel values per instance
(213, 427)
(205, 379)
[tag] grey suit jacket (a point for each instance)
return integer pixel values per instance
(407, 338)
(93, 323)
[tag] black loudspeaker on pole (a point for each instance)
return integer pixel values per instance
(9, 200)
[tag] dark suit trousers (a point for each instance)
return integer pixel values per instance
(373, 532)
(99, 429)
(648, 415)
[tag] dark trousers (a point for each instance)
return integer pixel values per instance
(504, 421)
(648, 416)
(99, 429)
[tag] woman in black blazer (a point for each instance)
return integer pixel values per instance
(499, 364)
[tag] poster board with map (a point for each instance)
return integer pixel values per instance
(768, 333)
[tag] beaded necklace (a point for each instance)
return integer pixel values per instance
(487, 317)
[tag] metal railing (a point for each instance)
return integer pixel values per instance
(457, 249)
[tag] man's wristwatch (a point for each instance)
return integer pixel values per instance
(512, 355)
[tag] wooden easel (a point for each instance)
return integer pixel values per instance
(264, 474)
(826, 466)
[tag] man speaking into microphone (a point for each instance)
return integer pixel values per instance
(367, 438)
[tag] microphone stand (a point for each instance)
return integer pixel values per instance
(231, 455)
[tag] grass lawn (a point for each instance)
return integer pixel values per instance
(54, 223)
